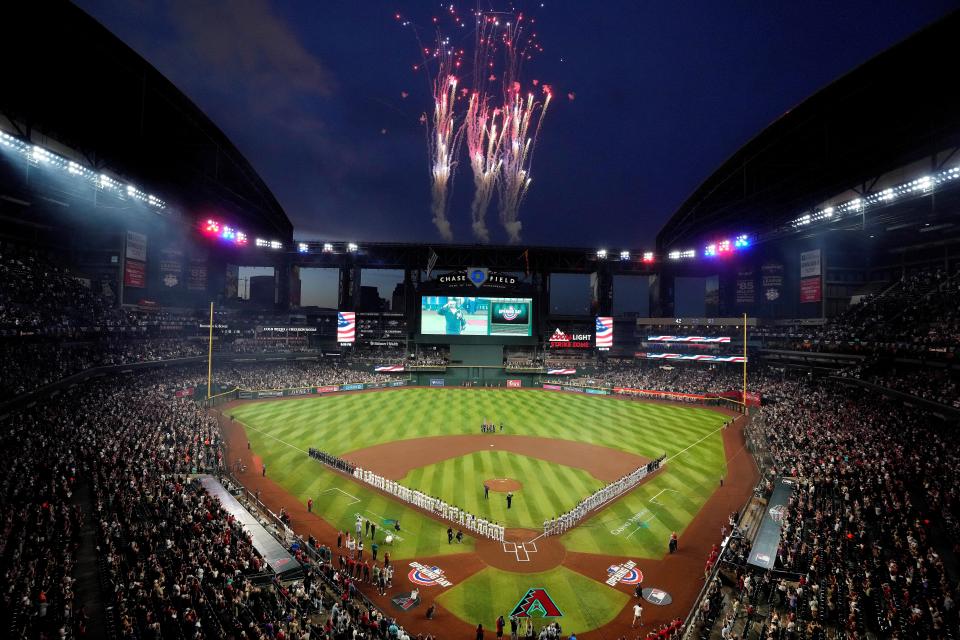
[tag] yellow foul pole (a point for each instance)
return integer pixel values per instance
(744, 362)
(210, 354)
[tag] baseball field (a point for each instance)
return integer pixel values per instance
(553, 450)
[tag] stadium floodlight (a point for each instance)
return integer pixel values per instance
(37, 155)
(327, 247)
(276, 244)
(302, 247)
(241, 238)
(601, 254)
(742, 241)
(710, 250)
(624, 255)
(674, 255)
(352, 247)
(260, 242)
(648, 256)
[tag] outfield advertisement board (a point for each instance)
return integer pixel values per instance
(514, 384)
(437, 382)
(310, 391)
(551, 387)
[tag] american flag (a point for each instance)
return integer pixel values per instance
(604, 332)
(561, 372)
(718, 339)
(346, 326)
(389, 368)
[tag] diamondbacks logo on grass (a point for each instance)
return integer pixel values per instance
(537, 603)
(626, 573)
(426, 576)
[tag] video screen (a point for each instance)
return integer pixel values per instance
(457, 316)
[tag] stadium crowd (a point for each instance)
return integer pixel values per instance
(172, 563)
(866, 533)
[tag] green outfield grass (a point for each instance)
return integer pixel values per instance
(585, 603)
(547, 487)
(281, 432)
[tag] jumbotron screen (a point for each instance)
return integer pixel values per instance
(456, 316)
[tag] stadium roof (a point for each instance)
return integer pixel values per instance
(68, 78)
(898, 108)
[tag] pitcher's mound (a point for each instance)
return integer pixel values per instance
(503, 484)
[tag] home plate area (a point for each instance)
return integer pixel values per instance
(522, 551)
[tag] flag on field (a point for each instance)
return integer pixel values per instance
(346, 326)
(604, 332)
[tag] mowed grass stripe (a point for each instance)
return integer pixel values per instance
(341, 424)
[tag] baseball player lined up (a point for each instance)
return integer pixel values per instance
(600, 497)
(438, 507)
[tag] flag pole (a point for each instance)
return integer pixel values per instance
(210, 353)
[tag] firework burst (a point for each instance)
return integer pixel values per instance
(484, 138)
(524, 116)
(444, 136)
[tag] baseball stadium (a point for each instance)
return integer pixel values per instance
(223, 419)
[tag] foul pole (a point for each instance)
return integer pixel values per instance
(210, 353)
(744, 363)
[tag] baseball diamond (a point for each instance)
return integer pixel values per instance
(557, 448)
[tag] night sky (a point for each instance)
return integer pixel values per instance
(311, 93)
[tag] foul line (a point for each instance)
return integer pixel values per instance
(683, 451)
(246, 426)
(355, 498)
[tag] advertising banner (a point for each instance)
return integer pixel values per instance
(772, 281)
(597, 392)
(134, 274)
(573, 389)
(171, 267)
(551, 387)
(565, 340)
(746, 287)
(351, 387)
(437, 382)
(810, 263)
(136, 246)
(330, 388)
(810, 289)
(514, 384)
